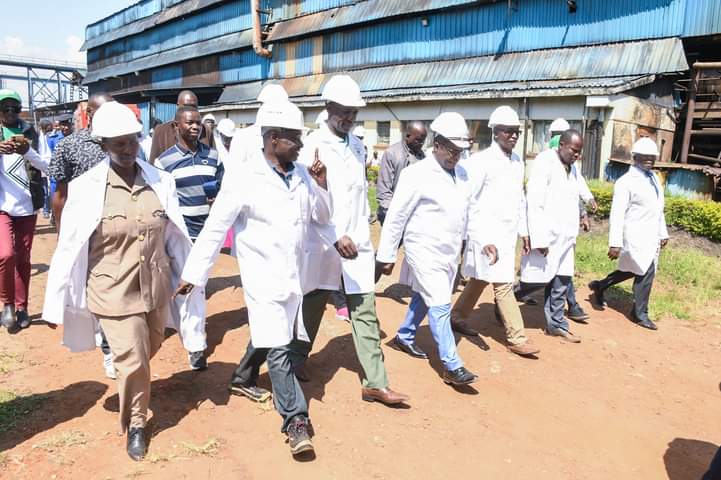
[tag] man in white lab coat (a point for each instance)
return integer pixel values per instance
(429, 211)
(523, 292)
(342, 258)
(496, 217)
(553, 195)
(637, 231)
(270, 207)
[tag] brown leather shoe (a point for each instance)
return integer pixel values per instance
(524, 349)
(383, 395)
(460, 325)
(564, 334)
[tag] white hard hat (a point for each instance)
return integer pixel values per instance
(114, 119)
(322, 117)
(359, 131)
(283, 114)
(559, 125)
(504, 115)
(208, 116)
(226, 127)
(643, 146)
(272, 92)
(343, 90)
(453, 126)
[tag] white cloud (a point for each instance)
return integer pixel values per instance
(11, 45)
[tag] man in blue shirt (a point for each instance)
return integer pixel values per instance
(198, 174)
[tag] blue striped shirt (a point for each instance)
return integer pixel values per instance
(191, 172)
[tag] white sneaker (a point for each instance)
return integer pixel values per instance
(108, 366)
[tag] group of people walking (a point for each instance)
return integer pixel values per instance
(138, 239)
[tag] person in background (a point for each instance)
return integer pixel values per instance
(119, 257)
(429, 211)
(637, 231)
(495, 217)
(223, 139)
(394, 160)
(165, 135)
(64, 129)
(46, 127)
(74, 155)
(552, 195)
(270, 208)
(21, 195)
(198, 174)
(209, 123)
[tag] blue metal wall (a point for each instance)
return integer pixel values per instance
(476, 30)
(167, 77)
(226, 18)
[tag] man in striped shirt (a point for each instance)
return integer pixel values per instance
(198, 174)
(196, 170)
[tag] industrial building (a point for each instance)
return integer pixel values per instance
(616, 69)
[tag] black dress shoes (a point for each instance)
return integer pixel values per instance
(645, 322)
(413, 350)
(459, 376)
(8, 318)
(23, 318)
(136, 443)
(595, 287)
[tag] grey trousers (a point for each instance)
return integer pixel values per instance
(641, 288)
(524, 290)
(555, 301)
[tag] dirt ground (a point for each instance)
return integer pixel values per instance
(626, 403)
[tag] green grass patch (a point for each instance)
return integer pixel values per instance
(14, 408)
(687, 284)
(372, 198)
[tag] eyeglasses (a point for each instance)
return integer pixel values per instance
(11, 109)
(510, 131)
(452, 151)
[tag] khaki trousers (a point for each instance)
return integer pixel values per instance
(505, 301)
(134, 340)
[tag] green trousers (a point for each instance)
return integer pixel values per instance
(364, 327)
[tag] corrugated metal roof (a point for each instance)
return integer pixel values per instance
(581, 68)
(209, 47)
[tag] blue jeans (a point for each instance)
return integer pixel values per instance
(439, 318)
(555, 300)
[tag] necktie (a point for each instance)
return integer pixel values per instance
(651, 179)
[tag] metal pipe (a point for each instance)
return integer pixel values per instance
(257, 38)
(706, 65)
(689, 114)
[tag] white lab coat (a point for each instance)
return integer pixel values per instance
(552, 197)
(495, 215)
(348, 188)
(270, 222)
(429, 211)
(66, 289)
(637, 222)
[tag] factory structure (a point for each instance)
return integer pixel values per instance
(616, 69)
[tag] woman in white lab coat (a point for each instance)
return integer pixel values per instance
(553, 196)
(429, 211)
(120, 253)
(637, 231)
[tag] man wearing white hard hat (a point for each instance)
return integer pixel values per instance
(342, 258)
(552, 197)
(429, 212)
(119, 256)
(496, 217)
(223, 138)
(270, 208)
(523, 292)
(247, 140)
(637, 231)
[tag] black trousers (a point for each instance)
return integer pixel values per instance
(641, 288)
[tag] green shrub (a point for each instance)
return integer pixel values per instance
(372, 173)
(701, 217)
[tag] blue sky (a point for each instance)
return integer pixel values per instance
(49, 30)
